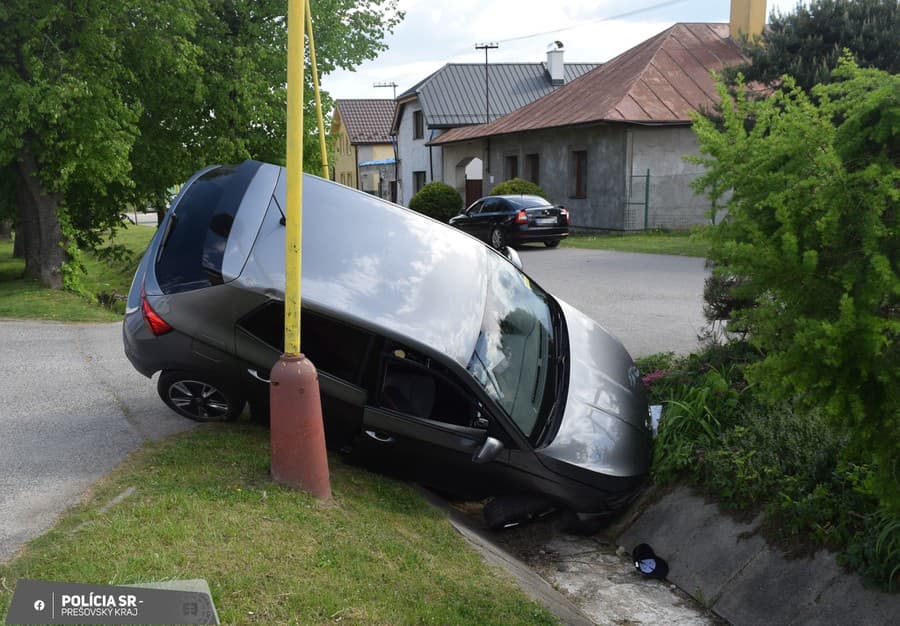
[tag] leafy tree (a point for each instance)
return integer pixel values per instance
(105, 104)
(808, 42)
(438, 200)
(811, 232)
(518, 186)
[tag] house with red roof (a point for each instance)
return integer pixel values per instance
(610, 144)
(365, 156)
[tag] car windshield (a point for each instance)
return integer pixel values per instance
(513, 354)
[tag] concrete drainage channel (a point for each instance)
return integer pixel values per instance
(721, 571)
(581, 580)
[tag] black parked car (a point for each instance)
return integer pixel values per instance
(510, 220)
(435, 353)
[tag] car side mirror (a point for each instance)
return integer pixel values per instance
(513, 257)
(488, 451)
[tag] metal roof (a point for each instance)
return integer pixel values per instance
(660, 81)
(454, 95)
(367, 121)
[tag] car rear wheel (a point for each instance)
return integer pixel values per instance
(510, 511)
(199, 397)
(551, 243)
(498, 239)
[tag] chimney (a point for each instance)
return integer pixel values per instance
(747, 18)
(555, 66)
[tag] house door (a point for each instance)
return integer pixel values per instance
(473, 190)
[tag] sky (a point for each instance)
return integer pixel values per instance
(436, 32)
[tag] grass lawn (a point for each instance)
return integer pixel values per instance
(681, 243)
(23, 298)
(204, 507)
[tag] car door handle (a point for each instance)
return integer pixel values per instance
(256, 375)
(380, 437)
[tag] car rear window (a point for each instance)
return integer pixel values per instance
(527, 202)
(192, 253)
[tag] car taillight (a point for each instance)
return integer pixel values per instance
(156, 324)
(522, 217)
(564, 213)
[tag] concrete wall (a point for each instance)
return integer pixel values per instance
(602, 204)
(414, 155)
(673, 204)
(345, 162)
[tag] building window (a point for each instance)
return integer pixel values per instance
(418, 181)
(579, 174)
(418, 125)
(512, 166)
(532, 167)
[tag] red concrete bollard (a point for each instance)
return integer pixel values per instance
(299, 459)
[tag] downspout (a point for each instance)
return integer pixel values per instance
(356, 162)
(396, 169)
(430, 158)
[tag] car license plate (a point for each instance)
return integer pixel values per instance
(545, 221)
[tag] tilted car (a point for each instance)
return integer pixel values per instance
(435, 353)
(510, 220)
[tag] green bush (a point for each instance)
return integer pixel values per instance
(437, 200)
(515, 186)
(751, 455)
(811, 239)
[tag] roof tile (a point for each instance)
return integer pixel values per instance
(367, 121)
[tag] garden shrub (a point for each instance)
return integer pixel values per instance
(437, 200)
(515, 186)
(810, 238)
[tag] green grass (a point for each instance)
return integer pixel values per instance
(26, 299)
(204, 507)
(681, 243)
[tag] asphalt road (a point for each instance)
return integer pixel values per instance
(652, 303)
(73, 407)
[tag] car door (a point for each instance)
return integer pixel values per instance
(421, 422)
(468, 219)
(339, 352)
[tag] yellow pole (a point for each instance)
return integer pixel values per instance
(294, 191)
(315, 73)
(296, 430)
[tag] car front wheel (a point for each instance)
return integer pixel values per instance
(498, 239)
(199, 397)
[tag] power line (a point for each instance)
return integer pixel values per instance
(595, 21)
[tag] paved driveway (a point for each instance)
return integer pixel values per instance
(652, 303)
(72, 408)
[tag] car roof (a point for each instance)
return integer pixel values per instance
(366, 261)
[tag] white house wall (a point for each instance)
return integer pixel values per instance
(414, 154)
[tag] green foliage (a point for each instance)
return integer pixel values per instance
(807, 42)
(752, 455)
(437, 200)
(811, 236)
(119, 101)
(515, 186)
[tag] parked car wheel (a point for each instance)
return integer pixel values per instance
(498, 239)
(551, 243)
(199, 397)
(510, 511)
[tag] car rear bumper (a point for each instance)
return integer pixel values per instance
(523, 234)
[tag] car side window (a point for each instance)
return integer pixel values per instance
(475, 208)
(490, 206)
(333, 347)
(413, 389)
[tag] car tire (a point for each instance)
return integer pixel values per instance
(552, 243)
(498, 239)
(199, 397)
(510, 511)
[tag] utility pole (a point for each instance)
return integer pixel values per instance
(487, 99)
(390, 84)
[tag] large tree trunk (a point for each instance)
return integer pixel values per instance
(19, 244)
(44, 254)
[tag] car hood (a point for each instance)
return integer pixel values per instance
(605, 425)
